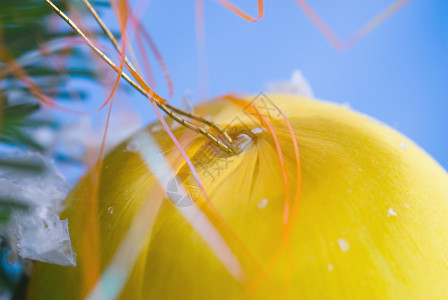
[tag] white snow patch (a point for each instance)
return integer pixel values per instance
(391, 212)
(262, 204)
(44, 135)
(372, 119)
(36, 232)
(156, 128)
(297, 85)
(257, 130)
(133, 146)
(403, 145)
(343, 245)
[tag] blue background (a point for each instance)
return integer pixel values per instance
(397, 74)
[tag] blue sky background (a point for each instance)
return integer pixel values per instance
(397, 74)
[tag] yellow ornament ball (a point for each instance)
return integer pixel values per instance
(362, 215)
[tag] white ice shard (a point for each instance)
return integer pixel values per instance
(37, 232)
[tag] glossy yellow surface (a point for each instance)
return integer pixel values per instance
(372, 221)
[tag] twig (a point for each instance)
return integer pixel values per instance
(107, 31)
(175, 109)
(159, 101)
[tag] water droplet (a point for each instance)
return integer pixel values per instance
(349, 191)
(343, 245)
(262, 203)
(330, 267)
(110, 209)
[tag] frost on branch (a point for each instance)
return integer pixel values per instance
(35, 231)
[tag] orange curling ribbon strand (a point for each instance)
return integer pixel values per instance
(242, 14)
(147, 37)
(91, 235)
(289, 217)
